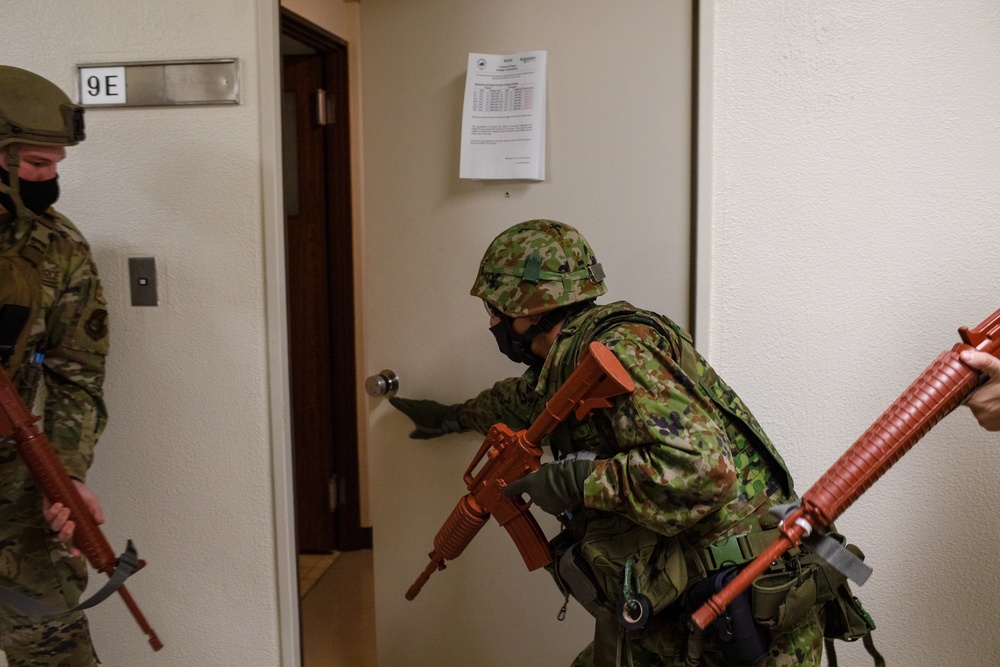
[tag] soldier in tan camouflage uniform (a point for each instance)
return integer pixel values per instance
(675, 480)
(48, 282)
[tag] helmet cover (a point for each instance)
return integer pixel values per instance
(33, 110)
(537, 266)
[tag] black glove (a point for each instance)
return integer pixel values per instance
(556, 486)
(431, 418)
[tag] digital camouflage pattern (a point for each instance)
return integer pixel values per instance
(681, 456)
(536, 266)
(71, 331)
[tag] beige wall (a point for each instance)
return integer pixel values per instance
(856, 227)
(855, 211)
(618, 141)
(185, 466)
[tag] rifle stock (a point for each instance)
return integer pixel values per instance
(933, 395)
(34, 448)
(509, 456)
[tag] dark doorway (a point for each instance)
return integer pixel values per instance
(320, 288)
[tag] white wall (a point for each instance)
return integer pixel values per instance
(856, 227)
(184, 467)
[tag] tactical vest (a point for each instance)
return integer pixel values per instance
(597, 552)
(595, 321)
(20, 291)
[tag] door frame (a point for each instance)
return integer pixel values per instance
(703, 62)
(349, 534)
(273, 215)
(274, 269)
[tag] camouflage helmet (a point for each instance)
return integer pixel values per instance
(33, 110)
(536, 266)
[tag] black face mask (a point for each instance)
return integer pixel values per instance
(37, 196)
(515, 346)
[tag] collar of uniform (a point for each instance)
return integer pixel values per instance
(567, 332)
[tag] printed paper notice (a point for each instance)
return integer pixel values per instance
(503, 123)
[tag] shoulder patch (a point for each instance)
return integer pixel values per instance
(97, 324)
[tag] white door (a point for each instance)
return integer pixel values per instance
(618, 168)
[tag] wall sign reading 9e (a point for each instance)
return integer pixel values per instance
(158, 84)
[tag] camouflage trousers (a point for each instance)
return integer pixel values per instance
(799, 646)
(35, 564)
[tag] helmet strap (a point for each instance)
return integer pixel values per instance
(13, 168)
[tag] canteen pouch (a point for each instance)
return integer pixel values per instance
(782, 598)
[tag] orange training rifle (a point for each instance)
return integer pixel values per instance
(598, 377)
(34, 448)
(935, 393)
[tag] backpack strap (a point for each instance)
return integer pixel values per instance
(831, 651)
(710, 383)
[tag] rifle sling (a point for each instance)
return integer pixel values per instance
(128, 563)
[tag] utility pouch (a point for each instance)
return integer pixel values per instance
(574, 572)
(658, 568)
(846, 619)
(781, 599)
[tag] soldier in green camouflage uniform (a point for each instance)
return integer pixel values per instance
(679, 465)
(48, 272)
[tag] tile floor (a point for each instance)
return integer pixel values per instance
(311, 568)
(337, 610)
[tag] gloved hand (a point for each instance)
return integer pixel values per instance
(555, 487)
(432, 419)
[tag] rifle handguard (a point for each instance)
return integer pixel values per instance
(933, 395)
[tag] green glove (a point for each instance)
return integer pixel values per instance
(432, 419)
(556, 486)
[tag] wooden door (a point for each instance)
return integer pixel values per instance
(309, 335)
(618, 168)
(320, 284)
